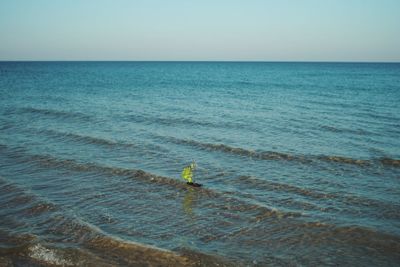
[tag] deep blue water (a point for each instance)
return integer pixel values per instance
(300, 162)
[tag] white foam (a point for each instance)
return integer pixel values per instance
(42, 253)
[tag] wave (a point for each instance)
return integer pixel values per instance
(18, 201)
(275, 186)
(138, 254)
(85, 138)
(101, 251)
(185, 121)
(346, 160)
(93, 140)
(350, 236)
(347, 130)
(93, 167)
(390, 162)
(272, 155)
(362, 162)
(5, 125)
(383, 117)
(51, 113)
(266, 155)
(387, 210)
(169, 121)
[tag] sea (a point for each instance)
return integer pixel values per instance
(299, 162)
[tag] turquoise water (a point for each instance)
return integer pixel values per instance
(300, 162)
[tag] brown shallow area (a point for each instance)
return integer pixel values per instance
(100, 251)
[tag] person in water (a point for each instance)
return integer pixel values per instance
(187, 174)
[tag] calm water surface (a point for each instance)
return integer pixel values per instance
(300, 163)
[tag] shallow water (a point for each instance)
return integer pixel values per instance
(300, 163)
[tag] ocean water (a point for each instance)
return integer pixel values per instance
(300, 163)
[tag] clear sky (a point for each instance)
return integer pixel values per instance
(260, 30)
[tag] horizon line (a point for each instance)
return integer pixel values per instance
(203, 61)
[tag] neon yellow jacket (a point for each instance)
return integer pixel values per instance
(187, 174)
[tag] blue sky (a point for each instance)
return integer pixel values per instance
(259, 30)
